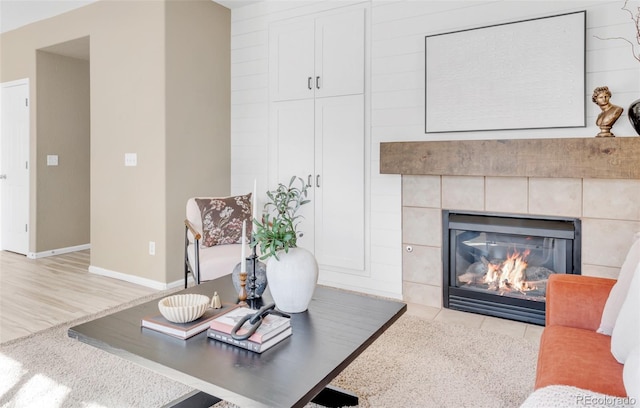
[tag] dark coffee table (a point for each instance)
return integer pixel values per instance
(338, 326)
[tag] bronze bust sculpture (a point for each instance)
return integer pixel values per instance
(610, 113)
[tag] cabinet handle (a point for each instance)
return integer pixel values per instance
(309, 180)
(309, 83)
(318, 180)
(318, 82)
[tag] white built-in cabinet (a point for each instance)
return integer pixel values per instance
(317, 56)
(317, 128)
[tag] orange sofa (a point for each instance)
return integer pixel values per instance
(571, 352)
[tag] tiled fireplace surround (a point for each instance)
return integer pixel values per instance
(608, 207)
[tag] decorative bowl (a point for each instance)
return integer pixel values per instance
(183, 308)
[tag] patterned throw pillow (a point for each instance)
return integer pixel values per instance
(222, 219)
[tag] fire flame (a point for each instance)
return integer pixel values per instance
(509, 274)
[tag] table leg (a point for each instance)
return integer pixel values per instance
(334, 397)
(194, 399)
(330, 396)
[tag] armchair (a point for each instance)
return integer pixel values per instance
(205, 263)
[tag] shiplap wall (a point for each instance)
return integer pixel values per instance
(395, 85)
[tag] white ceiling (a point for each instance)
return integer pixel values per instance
(17, 13)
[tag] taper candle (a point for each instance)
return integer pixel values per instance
(243, 261)
(255, 207)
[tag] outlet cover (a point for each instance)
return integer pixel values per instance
(130, 159)
(52, 160)
(152, 248)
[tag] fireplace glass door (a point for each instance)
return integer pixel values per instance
(508, 264)
(499, 265)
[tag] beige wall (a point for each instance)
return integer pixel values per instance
(127, 116)
(62, 202)
(133, 62)
(198, 86)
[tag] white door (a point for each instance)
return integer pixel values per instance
(14, 166)
(291, 60)
(292, 129)
(339, 183)
(339, 57)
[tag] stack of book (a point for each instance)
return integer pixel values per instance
(273, 329)
(183, 331)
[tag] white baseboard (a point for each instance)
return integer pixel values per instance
(59, 251)
(150, 283)
(178, 284)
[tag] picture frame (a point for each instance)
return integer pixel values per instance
(526, 74)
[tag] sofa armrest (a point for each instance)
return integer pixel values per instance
(576, 300)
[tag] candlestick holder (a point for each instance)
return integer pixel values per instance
(253, 262)
(256, 282)
(242, 294)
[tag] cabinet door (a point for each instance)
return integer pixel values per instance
(339, 58)
(291, 60)
(292, 133)
(339, 186)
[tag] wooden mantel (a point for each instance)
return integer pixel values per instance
(609, 158)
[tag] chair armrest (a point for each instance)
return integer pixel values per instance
(194, 233)
(191, 264)
(576, 300)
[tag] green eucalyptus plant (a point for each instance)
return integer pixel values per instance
(278, 229)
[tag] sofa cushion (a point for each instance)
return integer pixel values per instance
(579, 358)
(222, 219)
(631, 373)
(619, 290)
(626, 332)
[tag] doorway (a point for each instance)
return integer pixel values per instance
(56, 219)
(62, 202)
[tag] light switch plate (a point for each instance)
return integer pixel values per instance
(130, 159)
(52, 160)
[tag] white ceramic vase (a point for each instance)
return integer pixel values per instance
(292, 279)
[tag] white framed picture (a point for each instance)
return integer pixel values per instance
(520, 75)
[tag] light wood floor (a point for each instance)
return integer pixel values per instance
(39, 293)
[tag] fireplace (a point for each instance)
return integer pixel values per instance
(498, 264)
